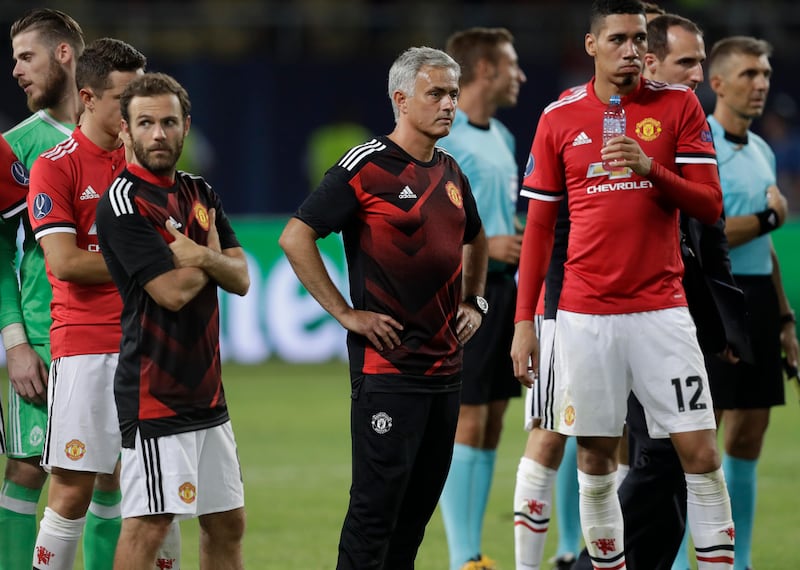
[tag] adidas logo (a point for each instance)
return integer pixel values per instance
(90, 194)
(175, 223)
(407, 193)
(582, 138)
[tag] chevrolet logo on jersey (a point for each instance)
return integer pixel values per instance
(615, 186)
(596, 170)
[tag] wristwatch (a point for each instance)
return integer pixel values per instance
(479, 303)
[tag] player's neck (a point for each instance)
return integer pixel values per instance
(93, 131)
(476, 107)
(69, 108)
(415, 143)
(731, 121)
(605, 88)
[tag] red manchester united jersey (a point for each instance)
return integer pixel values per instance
(404, 224)
(623, 254)
(169, 376)
(13, 182)
(66, 184)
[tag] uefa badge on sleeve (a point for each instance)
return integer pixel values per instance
(381, 423)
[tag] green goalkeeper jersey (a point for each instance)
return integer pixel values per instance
(28, 301)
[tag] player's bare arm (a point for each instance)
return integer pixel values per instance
(778, 202)
(475, 261)
(742, 229)
(68, 262)
(175, 288)
(228, 268)
(298, 242)
(505, 248)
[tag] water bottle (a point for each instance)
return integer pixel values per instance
(613, 123)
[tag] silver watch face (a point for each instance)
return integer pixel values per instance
(482, 303)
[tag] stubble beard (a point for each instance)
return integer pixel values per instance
(159, 167)
(55, 87)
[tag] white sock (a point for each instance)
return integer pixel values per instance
(169, 555)
(622, 472)
(533, 500)
(710, 520)
(601, 520)
(57, 541)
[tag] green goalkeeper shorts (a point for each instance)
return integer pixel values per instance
(26, 422)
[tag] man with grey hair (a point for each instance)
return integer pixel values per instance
(408, 219)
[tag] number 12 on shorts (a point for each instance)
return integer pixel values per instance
(691, 387)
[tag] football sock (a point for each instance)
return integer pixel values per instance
(18, 524)
(710, 520)
(682, 557)
(601, 520)
(57, 542)
(456, 505)
(533, 496)
(740, 475)
(622, 472)
(568, 516)
(169, 555)
(103, 523)
(481, 486)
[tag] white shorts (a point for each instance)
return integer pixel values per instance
(188, 474)
(599, 359)
(545, 330)
(82, 425)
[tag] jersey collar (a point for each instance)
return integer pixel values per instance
(85, 142)
(147, 176)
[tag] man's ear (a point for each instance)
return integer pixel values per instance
(715, 82)
(87, 98)
(63, 53)
(485, 69)
(651, 62)
(400, 100)
(590, 44)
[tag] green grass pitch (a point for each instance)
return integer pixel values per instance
(291, 424)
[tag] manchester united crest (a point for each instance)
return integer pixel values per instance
(454, 194)
(381, 422)
(201, 215)
(569, 415)
(188, 493)
(648, 129)
(75, 450)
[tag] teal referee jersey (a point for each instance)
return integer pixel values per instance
(745, 172)
(486, 156)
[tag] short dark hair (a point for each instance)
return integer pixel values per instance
(469, 46)
(603, 8)
(54, 27)
(653, 8)
(657, 30)
(151, 85)
(727, 47)
(103, 56)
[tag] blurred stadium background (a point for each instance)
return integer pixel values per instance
(280, 89)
